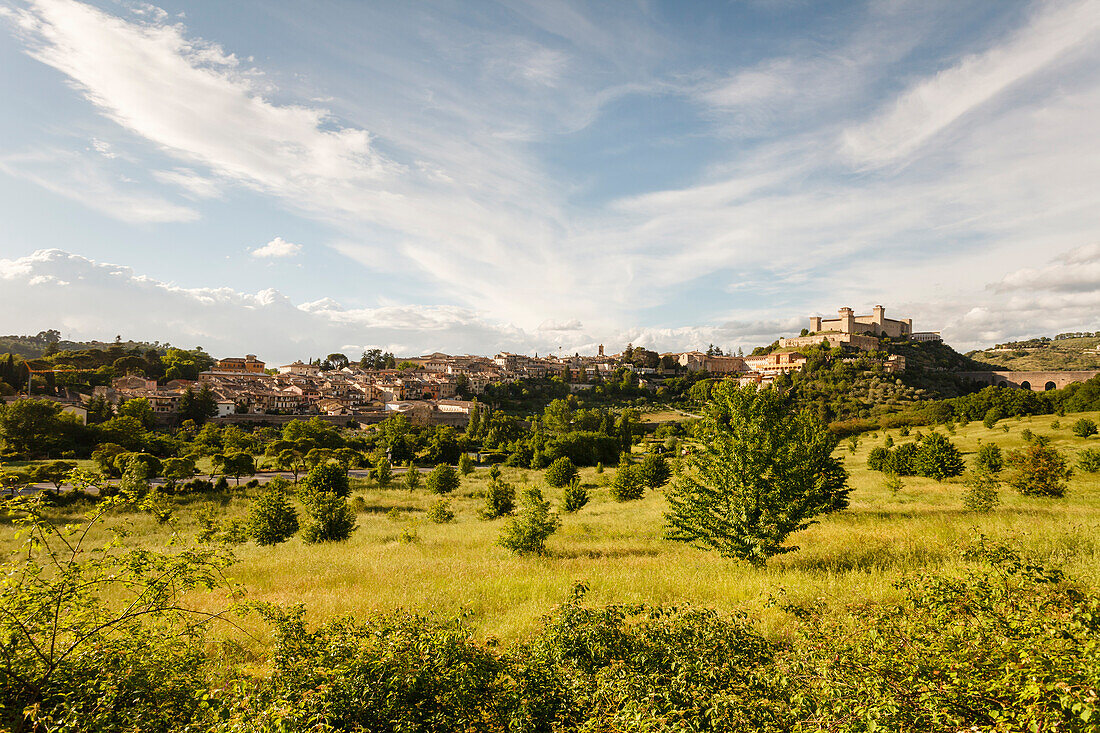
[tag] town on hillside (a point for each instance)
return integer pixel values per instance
(438, 389)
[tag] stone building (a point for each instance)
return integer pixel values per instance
(876, 324)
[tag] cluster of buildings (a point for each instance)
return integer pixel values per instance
(434, 388)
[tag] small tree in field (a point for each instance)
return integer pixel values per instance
(762, 471)
(440, 512)
(330, 518)
(576, 496)
(272, 519)
(560, 473)
(1039, 470)
(654, 471)
(465, 464)
(1088, 460)
(627, 484)
(938, 458)
(1084, 428)
(500, 498)
(411, 478)
(981, 491)
(990, 459)
(383, 474)
(527, 533)
(442, 480)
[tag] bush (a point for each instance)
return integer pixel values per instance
(442, 480)
(1089, 460)
(465, 464)
(272, 519)
(383, 473)
(440, 512)
(627, 485)
(989, 458)
(991, 417)
(560, 473)
(527, 533)
(575, 497)
(937, 458)
(330, 519)
(654, 471)
(981, 493)
(1084, 428)
(1040, 470)
(500, 498)
(221, 485)
(330, 478)
(411, 478)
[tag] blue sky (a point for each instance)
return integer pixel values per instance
(291, 179)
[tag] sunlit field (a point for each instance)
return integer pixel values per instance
(397, 558)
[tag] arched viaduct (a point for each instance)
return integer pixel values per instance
(1035, 381)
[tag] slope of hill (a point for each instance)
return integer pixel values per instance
(1059, 354)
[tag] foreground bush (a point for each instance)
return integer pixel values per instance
(271, 519)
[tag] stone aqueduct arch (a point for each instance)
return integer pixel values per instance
(1035, 381)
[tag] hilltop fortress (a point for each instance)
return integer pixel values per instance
(861, 332)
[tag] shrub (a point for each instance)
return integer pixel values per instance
(500, 498)
(442, 480)
(893, 483)
(221, 484)
(654, 471)
(326, 478)
(991, 417)
(627, 484)
(411, 478)
(599, 468)
(272, 519)
(330, 519)
(465, 464)
(575, 497)
(383, 473)
(560, 473)
(527, 533)
(1084, 428)
(1040, 470)
(440, 512)
(937, 458)
(981, 493)
(989, 458)
(1089, 460)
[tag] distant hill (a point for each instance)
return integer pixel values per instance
(1065, 352)
(33, 347)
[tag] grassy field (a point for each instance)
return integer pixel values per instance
(619, 552)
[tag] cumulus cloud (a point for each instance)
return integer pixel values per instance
(573, 325)
(277, 248)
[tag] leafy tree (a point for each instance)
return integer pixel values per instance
(334, 362)
(762, 471)
(99, 409)
(938, 458)
(383, 474)
(54, 472)
(440, 512)
(465, 464)
(235, 465)
(330, 519)
(627, 484)
(1039, 470)
(38, 428)
(1084, 428)
(527, 533)
(326, 478)
(293, 460)
(139, 409)
(990, 459)
(654, 471)
(198, 406)
(575, 497)
(500, 498)
(992, 416)
(125, 430)
(981, 491)
(560, 473)
(271, 519)
(443, 479)
(177, 469)
(1088, 460)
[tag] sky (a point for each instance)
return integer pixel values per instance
(293, 179)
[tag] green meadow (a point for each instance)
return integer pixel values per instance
(398, 559)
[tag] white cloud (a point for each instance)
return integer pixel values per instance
(936, 103)
(277, 248)
(81, 179)
(194, 185)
